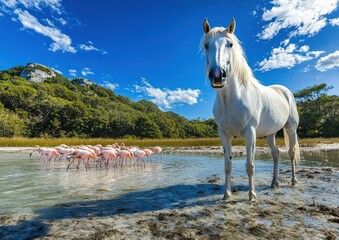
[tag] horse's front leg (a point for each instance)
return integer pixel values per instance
(226, 142)
(250, 139)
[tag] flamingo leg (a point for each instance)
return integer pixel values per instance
(70, 164)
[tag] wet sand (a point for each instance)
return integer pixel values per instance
(306, 211)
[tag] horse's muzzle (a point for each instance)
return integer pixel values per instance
(217, 78)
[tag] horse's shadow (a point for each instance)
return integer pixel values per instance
(171, 197)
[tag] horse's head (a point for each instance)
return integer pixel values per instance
(218, 45)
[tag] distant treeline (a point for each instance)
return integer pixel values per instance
(60, 107)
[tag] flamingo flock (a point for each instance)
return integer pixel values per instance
(115, 155)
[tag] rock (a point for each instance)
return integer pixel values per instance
(35, 72)
(82, 81)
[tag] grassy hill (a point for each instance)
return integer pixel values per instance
(36, 101)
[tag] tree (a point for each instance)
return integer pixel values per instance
(10, 123)
(146, 128)
(318, 112)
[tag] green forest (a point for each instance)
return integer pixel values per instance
(59, 107)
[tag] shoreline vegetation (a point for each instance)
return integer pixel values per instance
(176, 143)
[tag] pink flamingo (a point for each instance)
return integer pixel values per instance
(62, 151)
(124, 154)
(81, 155)
(140, 154)
(106, 155)
(37, 149)
(122, 146)
(48, 154)
(148, 153)
(157, 150)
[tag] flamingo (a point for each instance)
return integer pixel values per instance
(106, 155)
(62, 151)
(81, 155)
(157, 150)
(148, 153)
(124, 154)
(48, 154)
(38, 149)
(140, 154)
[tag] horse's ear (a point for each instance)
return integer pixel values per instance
(206, 26)
(231, 27)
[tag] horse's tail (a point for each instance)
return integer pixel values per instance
(287, 141)
(296, 153)
(295, 148)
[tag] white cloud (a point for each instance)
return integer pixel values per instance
(90, 47)
(306, 69)
(55, 5)
(288, 57)
(86, 71)
(56, 70)
(168, 98)
(106, 77)
(61, 42)
(304, 48)
(285, 42)
(110, 85)
(49, 22)
(72, 72)
(254, 13)
(334, 21)
(306, 17)
(62, 21)
(328, 62)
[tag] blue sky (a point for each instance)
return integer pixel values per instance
(150, 49)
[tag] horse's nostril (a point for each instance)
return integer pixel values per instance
(223, 73)
(210, 75)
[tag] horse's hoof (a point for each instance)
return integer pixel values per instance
(275, 184)
(253, 196)
(294, 181)
(227, 195)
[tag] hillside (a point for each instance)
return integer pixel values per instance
(36, 101)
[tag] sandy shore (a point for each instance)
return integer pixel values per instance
(241, 150)
(307, 211)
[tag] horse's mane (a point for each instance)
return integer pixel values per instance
(239, 68)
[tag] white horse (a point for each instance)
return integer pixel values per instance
(245, 108)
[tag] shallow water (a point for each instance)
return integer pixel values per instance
(27, 187)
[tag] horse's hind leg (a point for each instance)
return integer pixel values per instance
(293, 151)
(275, 154)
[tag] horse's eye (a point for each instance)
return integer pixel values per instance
(231, 44)
(206, 46)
